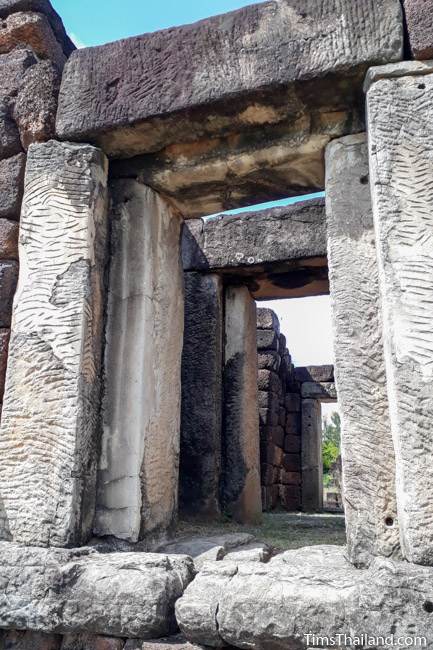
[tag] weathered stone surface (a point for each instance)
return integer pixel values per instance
(290, 497)
(267, 340)
(246, 101)
(292, 444)
(4, 347)
(47, 481)
(311, 456)
(8, 7)
(11, 186)
(12, 69)
(138, 469)
(81, 591)
(257, 552)
(395, 70)
(8, 239)
(31, 30)
(177, 642)
(419, 23)
(323, 391)
(35, 106)
(274, 605)
(269, 360)
(10, 143)
(293, 402)
(400, 138)
(314, 374)
(26, 640)
(279, 252)
(367, 449)
(269, 381)
(201, 412)
(8, 285)
(267, 319)
(241, 494)
(91, 642)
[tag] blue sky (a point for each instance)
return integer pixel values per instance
(305, 322)
(93, 22)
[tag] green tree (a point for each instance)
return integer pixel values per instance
(331, 440)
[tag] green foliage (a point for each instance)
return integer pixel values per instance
(331, 441)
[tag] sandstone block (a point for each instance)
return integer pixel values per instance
(290, 497)
(401, 179)
(314, 374)
(269, 360)
(292, 462)
(323, 391)
(277, 434)
(267, 340)
(293, 423)
(225, 604)
(269, 401)
(10, 143)
(139, 464)
(31, 30)
(200, 448)
(267, 474)
(271, 453)
(8, 285)
(268, 416)
(420, 27)
(8, 239)
(177, 642)
(34, 109)
(241, 494)
(12, 68)
(292, 444)
(83, 592)
(290, 478)
(91, 642)
(367, 448)
(48, 481)
(269, 381)
(26, 640)
(4, 347)
(130, 118)
(312, 464)
(11, 186)
(293, 402)
(8, 7)
(267, 319)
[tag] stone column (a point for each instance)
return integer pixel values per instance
(367, 448)
(138, 472)
(48, 434)
(200, 450)
(312, 463)
(400, 116)
(241, 492)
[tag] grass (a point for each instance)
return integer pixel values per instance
(281, 530)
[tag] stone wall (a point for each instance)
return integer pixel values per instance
(33, 50)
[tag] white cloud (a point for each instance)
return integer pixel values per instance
(77, 42)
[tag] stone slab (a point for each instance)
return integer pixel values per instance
(367, 448)
(314, 373)
(53, 380)
(32, 30)
(313, 589)
(45, 7)
(323, 391)
(11, 186)
(240, 492)
(139, 463)
(419, 22)
(81, 591)
(400, 138)
(176, 642)
(224, 72)
(201, 412)
(311, 456)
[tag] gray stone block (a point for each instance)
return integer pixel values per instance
(314, 373)
(323, 391)
(267, 319)
(11, 186)
(311, 457)
(267, 340)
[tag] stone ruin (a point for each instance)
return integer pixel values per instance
(129, 348)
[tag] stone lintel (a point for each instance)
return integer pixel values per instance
(323, 391)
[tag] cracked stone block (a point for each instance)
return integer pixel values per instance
(45, 7)
(35, 106)
(8, 285)
(8, 239)
(11, 186)
(241, 493)
(400, 140)
(367, 447)
(311, 456)
(274, 605)
(82, 592)
(53, 380)
(419, 23)
(31, 30)
(139, 464)
(200, 447)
